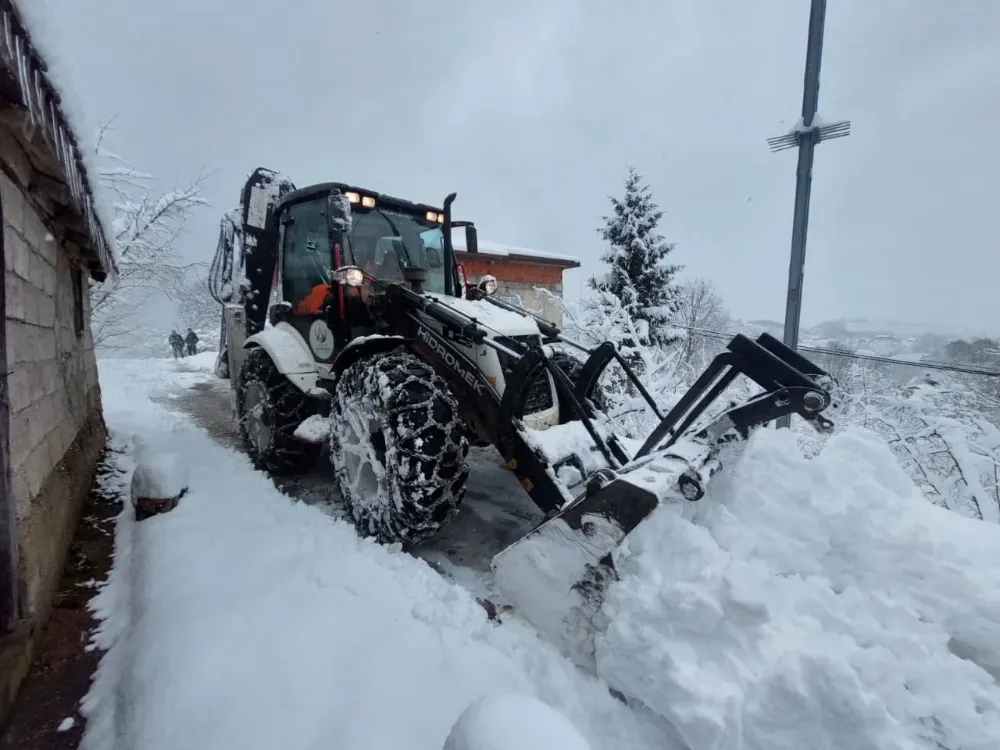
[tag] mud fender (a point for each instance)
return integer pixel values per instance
(289, 352)
(365, 346)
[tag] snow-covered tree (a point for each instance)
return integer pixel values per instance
(979, 354)
(146, 226)
(949, 451)
(935, 427)
(195, 308)
(638, 272)
(838, 360)
(601, 316)
(700, 311)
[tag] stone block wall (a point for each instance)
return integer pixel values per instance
(57, 431)
(531, 299)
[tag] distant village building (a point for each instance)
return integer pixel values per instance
(52, 430)
(518, 272)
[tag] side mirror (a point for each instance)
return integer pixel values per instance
(349, 276)
(471, 239)
(488, 285)
(338, 212)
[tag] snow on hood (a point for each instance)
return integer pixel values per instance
(489, 315)
(811, 604)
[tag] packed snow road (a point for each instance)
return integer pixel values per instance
(818, 603)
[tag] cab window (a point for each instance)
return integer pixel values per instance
(306, 258)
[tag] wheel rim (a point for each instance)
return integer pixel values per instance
(363, 452)
(258, 417)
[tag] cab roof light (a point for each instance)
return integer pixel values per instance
(353, 197)
(368, 201)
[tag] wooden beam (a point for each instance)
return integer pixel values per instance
(16, 158)
(20, 124)
(50, 195)
(31, 166)
(10, 92)
(53, 187)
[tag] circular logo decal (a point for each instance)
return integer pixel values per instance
(321, 339)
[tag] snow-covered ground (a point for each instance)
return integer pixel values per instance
(244, 620)
(802, 604)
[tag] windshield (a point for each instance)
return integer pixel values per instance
(383, 242)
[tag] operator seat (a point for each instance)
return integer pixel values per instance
(390, 255)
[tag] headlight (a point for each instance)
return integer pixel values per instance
(349, 276)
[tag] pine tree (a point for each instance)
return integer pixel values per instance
(638, 273)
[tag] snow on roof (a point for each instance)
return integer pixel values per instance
(46, 102)
(495, 248)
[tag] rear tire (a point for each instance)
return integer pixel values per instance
(572, 367)
(269, 410)
(398, 446)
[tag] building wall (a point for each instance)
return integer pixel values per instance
(531, 299)
(519, 279)
(57, 430)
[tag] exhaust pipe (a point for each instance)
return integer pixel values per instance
(449, 250)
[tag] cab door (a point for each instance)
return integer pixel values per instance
(305, 282)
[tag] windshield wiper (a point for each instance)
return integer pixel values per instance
(396, 233)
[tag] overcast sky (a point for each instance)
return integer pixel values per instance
(531, 110)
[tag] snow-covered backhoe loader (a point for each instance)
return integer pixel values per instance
(346, 308)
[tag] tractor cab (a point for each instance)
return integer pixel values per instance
(330, 226)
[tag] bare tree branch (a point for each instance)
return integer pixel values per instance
(146, 226)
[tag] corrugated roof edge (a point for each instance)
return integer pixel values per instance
(516, 253)
(45, 107)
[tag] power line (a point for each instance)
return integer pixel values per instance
(927, 365)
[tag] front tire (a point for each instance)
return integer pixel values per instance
(269, 409)
(398, 446)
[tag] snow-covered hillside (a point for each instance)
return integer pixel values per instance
(803, 603)
(881, 337)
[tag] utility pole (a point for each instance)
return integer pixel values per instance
(809, 131)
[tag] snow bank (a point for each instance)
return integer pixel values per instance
(158, 378)
(512, 722)
(314, 429)
(200, 362)
(244, 620)
(160, 473)
(802, 603)
(812, 604)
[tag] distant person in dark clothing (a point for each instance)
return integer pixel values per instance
(177, 344)
(192, 342)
